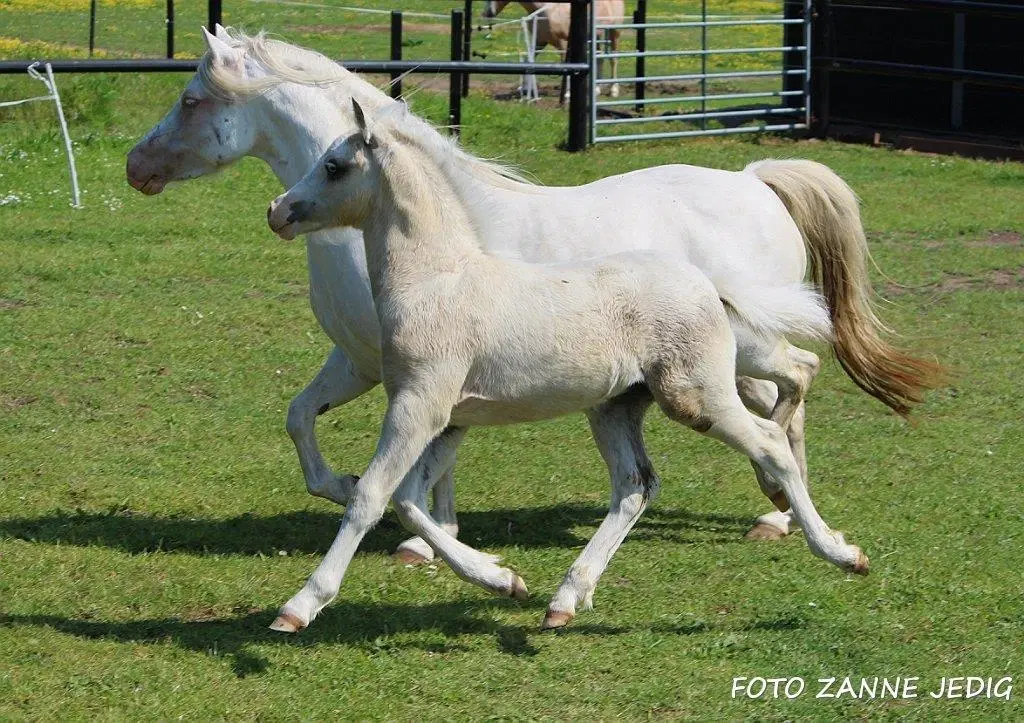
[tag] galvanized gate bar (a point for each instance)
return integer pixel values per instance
(792, 73)
(699, 98)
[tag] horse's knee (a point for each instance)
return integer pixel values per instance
(297, 421)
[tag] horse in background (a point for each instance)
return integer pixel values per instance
(553, 28)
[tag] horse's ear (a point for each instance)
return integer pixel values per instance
(220, 50)
(220, 32)
(361, 123)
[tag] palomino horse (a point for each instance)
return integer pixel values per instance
(553, 27)
(470, 338)
(762, 223)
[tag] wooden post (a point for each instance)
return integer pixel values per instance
(396, 51)
(455, 77)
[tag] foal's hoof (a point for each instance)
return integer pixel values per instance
(862, 565)
(764, 531)
(405, 556)
(554, 619)
(287, 623)
(518, 590)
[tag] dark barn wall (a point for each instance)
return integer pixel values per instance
(911, 70)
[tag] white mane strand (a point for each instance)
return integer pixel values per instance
(286, 63)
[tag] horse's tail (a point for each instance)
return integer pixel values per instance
(826, 211)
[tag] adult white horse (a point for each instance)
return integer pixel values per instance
(553, 27)
(758, 226)
(471, 338)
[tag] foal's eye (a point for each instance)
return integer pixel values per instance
(334, 169)
(189, 102)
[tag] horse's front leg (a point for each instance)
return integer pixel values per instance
(335, 384)
(411, 422)
(613, 41)
(415, 550)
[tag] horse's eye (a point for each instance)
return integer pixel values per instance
(189, 102)
(333, 169)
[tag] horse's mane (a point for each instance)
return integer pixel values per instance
(286, 63)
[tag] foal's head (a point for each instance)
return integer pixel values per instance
(336, 191)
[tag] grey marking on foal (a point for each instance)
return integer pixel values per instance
(216, 132)
(323, 409)
(299, 211)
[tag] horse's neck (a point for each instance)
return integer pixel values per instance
(417, 227)
(302, 121)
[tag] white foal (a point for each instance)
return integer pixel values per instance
(470, 338)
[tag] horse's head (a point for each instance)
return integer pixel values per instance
(336, 191)
(204, 131)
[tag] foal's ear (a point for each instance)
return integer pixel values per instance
(368, 138)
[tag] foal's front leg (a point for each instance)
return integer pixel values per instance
(468, 563)
(410, 423)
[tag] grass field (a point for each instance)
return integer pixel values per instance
(153, 517)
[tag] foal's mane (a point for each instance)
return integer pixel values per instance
(287, 63)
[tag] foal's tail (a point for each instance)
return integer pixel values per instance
(826, 211)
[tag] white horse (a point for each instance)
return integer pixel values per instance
(470, 338)
(760, 224)
(553, 28)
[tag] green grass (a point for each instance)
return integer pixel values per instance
(153, 516)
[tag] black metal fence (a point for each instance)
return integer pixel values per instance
(458, 67)
(936, 75)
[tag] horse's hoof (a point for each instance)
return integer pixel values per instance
(862, 565)
(405, 556)
(287, 623)
(518, 590)
(554, 619)
(765, 531)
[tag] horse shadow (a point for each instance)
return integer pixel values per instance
(311, 532)
(374, 627)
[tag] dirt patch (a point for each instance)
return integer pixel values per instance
(12, 303)
(998, 280)
(999, 238)
(12, 403)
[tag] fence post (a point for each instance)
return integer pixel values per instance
(213, 15)
(92, 26)
(821, 47)
(578, 85)
(640, 17)
(396, 51)
(793, 36)
(170, 29)
(455, 77)
(467, 42)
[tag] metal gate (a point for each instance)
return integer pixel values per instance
(702, 74)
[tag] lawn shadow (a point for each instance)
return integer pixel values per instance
(372, 627)
(312, 532)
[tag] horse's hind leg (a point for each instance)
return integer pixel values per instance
(759, 395)
(713, 407)
(617, 427)
(791, 370)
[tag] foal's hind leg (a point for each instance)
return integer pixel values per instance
(713, 407)
(617, 427)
